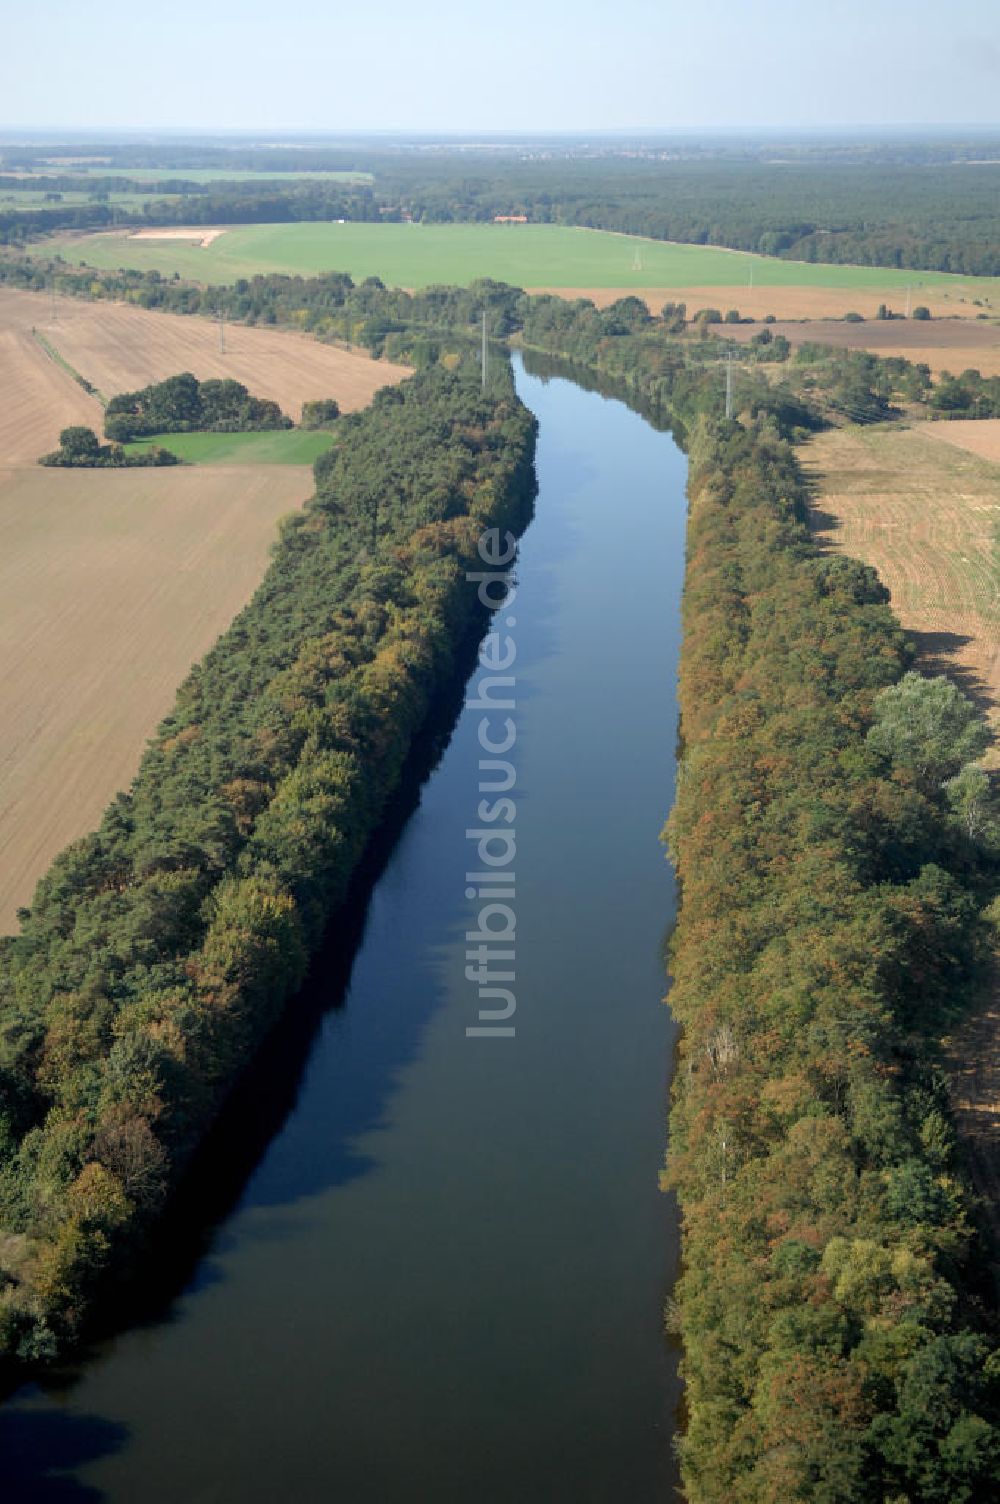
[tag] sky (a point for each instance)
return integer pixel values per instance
(523, 65)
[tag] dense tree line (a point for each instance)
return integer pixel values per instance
(80, 448)
(837, 853)
(183, 404)
(418, 326)
(681, 376)
(659, 354)
(20, 225)
(159, 950)
(968, 395)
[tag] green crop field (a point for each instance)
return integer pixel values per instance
(527, 255)
(287, 446)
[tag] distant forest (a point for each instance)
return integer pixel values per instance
(918, 204)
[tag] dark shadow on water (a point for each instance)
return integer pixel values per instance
(265, 1098)
(231, 1167)
(269, 1091)
(39, 1447)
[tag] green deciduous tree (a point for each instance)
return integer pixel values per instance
(929, 727)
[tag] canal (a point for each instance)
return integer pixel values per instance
(434, 1266)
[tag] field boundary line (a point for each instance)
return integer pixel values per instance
(60, 360)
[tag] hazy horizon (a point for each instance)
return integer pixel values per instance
(499, 136)
(562, 67)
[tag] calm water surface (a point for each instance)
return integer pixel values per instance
(442, 1278)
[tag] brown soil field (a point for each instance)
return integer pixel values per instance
(783, 302)
(925, 514)
(199, 235)
(118, 347)
(975, 435)
(113, 583)
(39, 396)
(945, 344)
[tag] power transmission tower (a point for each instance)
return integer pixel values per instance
(729, 383)
(485, 357)
(222, 327)
(907, 301)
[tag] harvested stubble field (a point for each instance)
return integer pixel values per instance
(558, 258)
(943, 343)
(925, 514)
(118, 347)
(792, 302)
(39, 396)
(113, 583)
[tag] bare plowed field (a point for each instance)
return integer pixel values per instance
(944, 344)
(925, 514)
(118, 347)
(195, 236)
(113, 583)
(979, 436)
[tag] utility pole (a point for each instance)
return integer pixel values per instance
(729, 383)
(484, 350)
(907, 300)
(222, 327)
